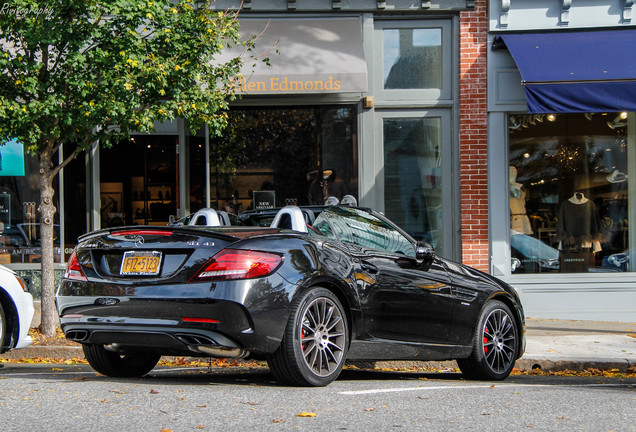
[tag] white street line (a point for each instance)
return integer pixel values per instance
(453, 387)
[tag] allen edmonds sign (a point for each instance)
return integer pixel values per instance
(258, 84)
(305, 56)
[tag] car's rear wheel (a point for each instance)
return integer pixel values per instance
(495, 344)
(119, 365)
(314, 346)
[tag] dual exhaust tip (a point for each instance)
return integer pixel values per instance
(195, 343)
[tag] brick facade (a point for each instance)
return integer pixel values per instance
(473, 136)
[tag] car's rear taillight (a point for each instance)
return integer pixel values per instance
(22, 283)
(138, 232)
(238, 264)
(74, 270)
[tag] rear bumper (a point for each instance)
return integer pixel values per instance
(231, 316)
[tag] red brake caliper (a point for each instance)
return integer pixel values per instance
(485, 341)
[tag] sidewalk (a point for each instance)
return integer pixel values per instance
(552, 345)
(555, 345)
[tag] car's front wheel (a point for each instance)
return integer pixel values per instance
(495, 344)
(314, 346)
(119, 365)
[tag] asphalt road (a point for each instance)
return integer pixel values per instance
(53, 397)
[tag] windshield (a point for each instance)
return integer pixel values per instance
(361, 228)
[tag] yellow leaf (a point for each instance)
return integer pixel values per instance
(306, 414)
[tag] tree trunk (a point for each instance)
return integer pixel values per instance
(47, 211)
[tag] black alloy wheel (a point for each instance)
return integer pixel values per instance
(119, 365)
(314, 347)
(495, 344)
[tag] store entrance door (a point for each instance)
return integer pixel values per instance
(416, 185)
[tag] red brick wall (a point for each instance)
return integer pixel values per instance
(473, 136)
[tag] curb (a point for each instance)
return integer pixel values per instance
(62, 353)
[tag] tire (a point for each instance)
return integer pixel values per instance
(495, 344)
(314, 346)
(119, 365)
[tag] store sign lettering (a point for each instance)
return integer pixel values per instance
(282, 85)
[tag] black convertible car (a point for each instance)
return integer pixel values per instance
(349, 285)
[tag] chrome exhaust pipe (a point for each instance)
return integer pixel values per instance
(221, 351)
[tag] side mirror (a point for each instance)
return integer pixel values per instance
(424, 254)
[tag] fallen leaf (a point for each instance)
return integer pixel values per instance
(369, 409)
(492, 386)
(166, 430)
(153, 391)
(306, 414)
(278, 421)
(201, 406)
(200, 427)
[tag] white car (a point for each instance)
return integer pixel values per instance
(16, 311)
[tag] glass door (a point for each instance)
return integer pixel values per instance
(416, 182)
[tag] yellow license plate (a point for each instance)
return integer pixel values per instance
(137, 263)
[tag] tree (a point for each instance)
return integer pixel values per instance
(78, 71)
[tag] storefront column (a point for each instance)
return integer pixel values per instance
(473, 136)
(95, 194)
(183, 204)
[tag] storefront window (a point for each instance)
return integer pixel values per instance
(138, 181)
(413, 178)
(569, 193)
(281, 156)
(75, 208)
(412, 58)
(19, 200)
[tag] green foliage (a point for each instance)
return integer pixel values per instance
(74, 71)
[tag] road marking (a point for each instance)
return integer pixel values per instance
(395, 390)
(454, 387)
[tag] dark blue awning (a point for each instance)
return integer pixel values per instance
(586, 71)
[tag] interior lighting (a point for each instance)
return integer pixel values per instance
(551, 117)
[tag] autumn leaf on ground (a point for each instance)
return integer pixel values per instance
(153, 391)
(306, 414)
(369, 409)
(200, 427)
(278, 421)
(166, 430)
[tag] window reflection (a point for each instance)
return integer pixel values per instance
(280, 156)
(20, 240)
(413, 179)
(569, 194)
(412, 58)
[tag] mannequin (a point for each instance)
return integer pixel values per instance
(579, 226)
(579, 234)
(519, 220)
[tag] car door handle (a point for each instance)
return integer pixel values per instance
(369, 267)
